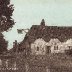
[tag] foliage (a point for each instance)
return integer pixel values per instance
(6, 11)
(6, 21)
(3, 44)
(69, 52)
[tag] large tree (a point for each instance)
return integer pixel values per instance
(3, 44)
(6, 21)
(6, 11)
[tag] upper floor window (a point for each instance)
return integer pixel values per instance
(55, 47)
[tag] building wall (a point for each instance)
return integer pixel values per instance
(38, 47)
(55, 46)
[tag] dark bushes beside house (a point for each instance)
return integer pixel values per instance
(68, 52)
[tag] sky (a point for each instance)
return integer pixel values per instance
(31, 12)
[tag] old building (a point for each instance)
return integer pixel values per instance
(56, 36)
(40, 47)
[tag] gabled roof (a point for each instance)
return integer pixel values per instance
(68, 42)
(48, 32)
(54, 42)
(39, 40)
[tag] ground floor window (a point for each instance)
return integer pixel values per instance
(70, 47)
(48, 49)
(37, 48)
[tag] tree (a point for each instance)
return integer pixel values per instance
(6, 11)
(3, 44)
(6, 21)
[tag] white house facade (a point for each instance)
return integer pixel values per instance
(40, 47)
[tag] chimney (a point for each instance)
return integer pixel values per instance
(43, 22)
(15, 46)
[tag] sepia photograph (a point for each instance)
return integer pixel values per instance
(35, 35)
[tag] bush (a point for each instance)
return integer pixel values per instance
(68, 52)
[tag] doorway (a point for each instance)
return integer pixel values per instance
(48, 49)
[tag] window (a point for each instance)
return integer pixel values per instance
(34, 28)
(55, 47)
(70, 47)
(37, 48)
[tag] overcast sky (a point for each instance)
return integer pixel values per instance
(29, 12)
